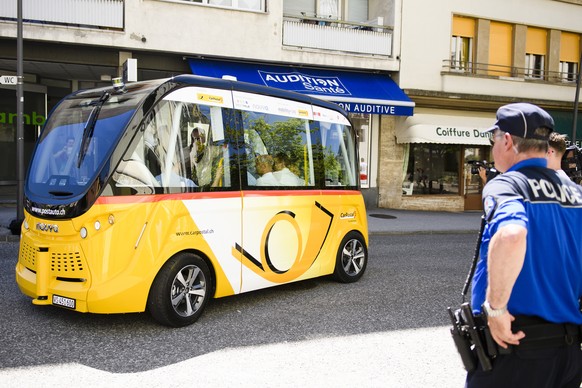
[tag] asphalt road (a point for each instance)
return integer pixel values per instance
(388, 329)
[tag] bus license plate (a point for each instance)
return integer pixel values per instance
(65, 302)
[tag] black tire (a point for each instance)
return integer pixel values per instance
(180, 291)
(352, 258)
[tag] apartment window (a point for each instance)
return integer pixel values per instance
(461, 53)
(534, 66)
(328, 9)
(569, 56)
(324, 9)
(355, 11)
(535, 52)
(463, 35)
(255, 5)
(568, 71)
(299, 8)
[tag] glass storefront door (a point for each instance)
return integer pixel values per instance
(34, 114)
(472, 181)
(362, 124)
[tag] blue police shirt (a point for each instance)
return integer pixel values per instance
(550, 207)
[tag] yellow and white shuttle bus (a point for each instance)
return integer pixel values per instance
(160, 195)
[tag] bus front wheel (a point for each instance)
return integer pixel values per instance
(180, 291)
(352, 258)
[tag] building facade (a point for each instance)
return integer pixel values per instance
(419, 78)
(459, 62)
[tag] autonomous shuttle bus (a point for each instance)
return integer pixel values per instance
(159, 195)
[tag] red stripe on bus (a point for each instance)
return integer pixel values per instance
(165, 197)
(124, 199)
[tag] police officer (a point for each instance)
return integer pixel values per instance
(528, 280)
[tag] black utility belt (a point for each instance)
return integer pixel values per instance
(540, 334)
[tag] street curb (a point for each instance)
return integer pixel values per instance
(404, 232)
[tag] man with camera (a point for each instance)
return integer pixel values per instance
(528, 281)
(556, 151)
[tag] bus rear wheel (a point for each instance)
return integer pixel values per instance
(352, 258)
(180, 291)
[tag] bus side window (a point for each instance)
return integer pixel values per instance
(338, 160)
(133, 174)
(278, 151)
(151, 156)
(208, 149)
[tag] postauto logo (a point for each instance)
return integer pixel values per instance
(51, 228)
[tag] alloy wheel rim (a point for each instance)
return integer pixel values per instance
(353, 257)
(188, 290)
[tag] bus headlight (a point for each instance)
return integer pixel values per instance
(25, 224)
(97, 225)
(83, 232)
(111, 219)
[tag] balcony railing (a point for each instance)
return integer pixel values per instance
(337, 35)
(504, 71)
(83, 13)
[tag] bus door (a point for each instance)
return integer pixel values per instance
(279, 192)
(185, 152)
(211, 154)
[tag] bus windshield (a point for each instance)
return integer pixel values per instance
(78, 138)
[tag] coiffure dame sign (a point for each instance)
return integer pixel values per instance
(459, 135)
(440, 134)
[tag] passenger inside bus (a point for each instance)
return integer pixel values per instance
(197, 144)
(264, 166)
(282, 173)
(206, 158)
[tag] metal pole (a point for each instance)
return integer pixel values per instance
(576, 98)
(19, 115)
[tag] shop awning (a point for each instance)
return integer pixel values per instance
(445, 129)
(356, 92)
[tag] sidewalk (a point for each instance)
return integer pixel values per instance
(392, 221)
(380, 221)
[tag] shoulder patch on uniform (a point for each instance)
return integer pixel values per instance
(489, 205)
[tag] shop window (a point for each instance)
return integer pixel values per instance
(534, 66)
(568, 71)
(433, 169)
(473, 181)
(33, 118)
(363, 125)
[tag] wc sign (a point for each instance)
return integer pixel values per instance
(8, 79)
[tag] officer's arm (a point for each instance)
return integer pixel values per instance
(505, 260)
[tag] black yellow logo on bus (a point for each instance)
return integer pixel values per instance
(320, 225)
